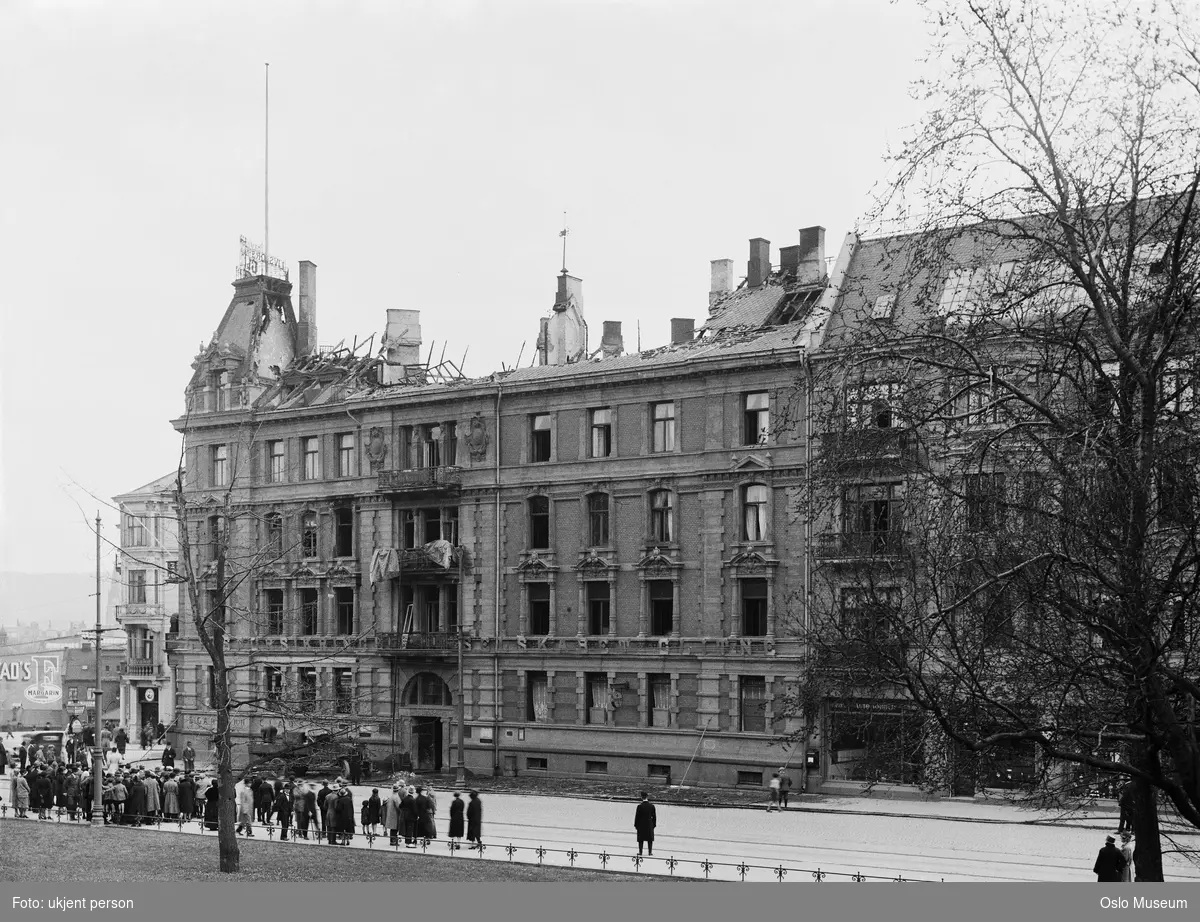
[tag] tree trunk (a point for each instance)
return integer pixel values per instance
(227, 808)
(1147, 846)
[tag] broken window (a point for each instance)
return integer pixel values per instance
(756, 419)
(662, 509)
(540, 437)
(343, 531)
(985, 502)
(873, 406)
(308, 534)
(344, 600)
(872, 517)
(308, 611)
(450, 440)
(431, 446)
(273, 603)
(274, 528)
(308, 688)
(273, 680)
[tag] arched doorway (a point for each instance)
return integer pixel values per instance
(427, 690)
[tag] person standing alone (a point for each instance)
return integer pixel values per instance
(645, 818)
(1109, 863)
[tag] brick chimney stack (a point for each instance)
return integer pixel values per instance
(612, 343)
(306, 324)
(683, 330)
(758, 269)
(722, 281)
(811, 263)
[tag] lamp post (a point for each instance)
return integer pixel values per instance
(97, 699)
(460, 772)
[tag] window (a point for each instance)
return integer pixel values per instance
(756, 420)
(220, 465)
(597, 505)
(873, 517)
(312, 457)
(427, 688)
(219, 382)
(133, 531)
(985, 502)
(754, 509)
(347, 466)
(539, 522)
(431, 446)
(308, 688)
(450, 524)
(343, 690)
(73, 694)
(308, 534)
(536, 764)
(664, 427)
(662, 606)
(867, 614)
(137, 587)
(539, 448)
(450, 442)
(273, 680)
(536, 707)
(601, 433)
(539, 608)
(408, 528)
(873, 406)
(216, 535)
(754, 608)
(598, 698)
(749, 779)
(432, 521)
(173, 571)
(344, 599)
(273, 603)
(598, 607)
(753, 710)
(276, 470)
(976, 402)
(343, 531)
(659, 772)
(595, 768)
(308, 612)
(662, 509)
(274, 529)
(659, 686)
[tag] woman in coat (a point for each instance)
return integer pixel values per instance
(344, 815)
(187, 797)
(475, 821)
(170, 804)
(212, 800)
(45, 789)
(35, 792)
(455, 832)
(391, 815)
(153, 798)
(21, 794)
(374, 811)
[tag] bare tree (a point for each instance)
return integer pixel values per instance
(1005, 419)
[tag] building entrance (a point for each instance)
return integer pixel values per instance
(427, 737)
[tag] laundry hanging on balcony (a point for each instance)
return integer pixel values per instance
(385, 564)
(440, 552)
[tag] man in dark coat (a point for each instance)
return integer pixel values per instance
(135, 806)
(645, 818)
(408, 817)
(343, 812)
(1125, 801)
(189, 758)
(45, 789)
(23, 757)
(168, 756)
(283, 811)
(1109, 863)
(322, 794)
(424, 815)
(475, 821)
(212, 801)
(122, 740)
(187, 797)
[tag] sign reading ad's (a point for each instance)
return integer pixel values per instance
(38, 676)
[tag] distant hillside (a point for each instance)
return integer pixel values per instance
(58, 598)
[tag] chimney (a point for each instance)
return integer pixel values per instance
(722, 281)
(759, 266)
(611, 343)
(683, 330)
(402, 342)
(811, 266)
(563, 335)
(306, 326)
(789, 259)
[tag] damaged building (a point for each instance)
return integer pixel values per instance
(618, 535)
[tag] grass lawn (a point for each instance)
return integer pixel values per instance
(35, 851)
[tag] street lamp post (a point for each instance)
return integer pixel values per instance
(97, 699)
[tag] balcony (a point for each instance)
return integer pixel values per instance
(869, 444)
(140, 612)
(418, 645)
(432, 480)
(860, 545)
(137, 668)
(426, 562)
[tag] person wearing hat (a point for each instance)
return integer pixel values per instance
(1127, 874)
(645, 818)
(475, 821)
(455, 832)
(391, 815)
(1109, 863)
(408, 816)
(785, 787)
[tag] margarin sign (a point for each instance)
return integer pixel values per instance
(42, 671)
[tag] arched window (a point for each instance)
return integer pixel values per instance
(662, 516)
(428, 689)
(597, 504)
(754, 509)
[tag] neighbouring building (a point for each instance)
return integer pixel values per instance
(145, 602)
(79, 683)
(618, 539)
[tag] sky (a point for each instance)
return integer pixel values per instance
(422, 155)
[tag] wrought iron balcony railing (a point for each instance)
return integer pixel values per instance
(860, 545)
(422, 480)
(417, 642)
